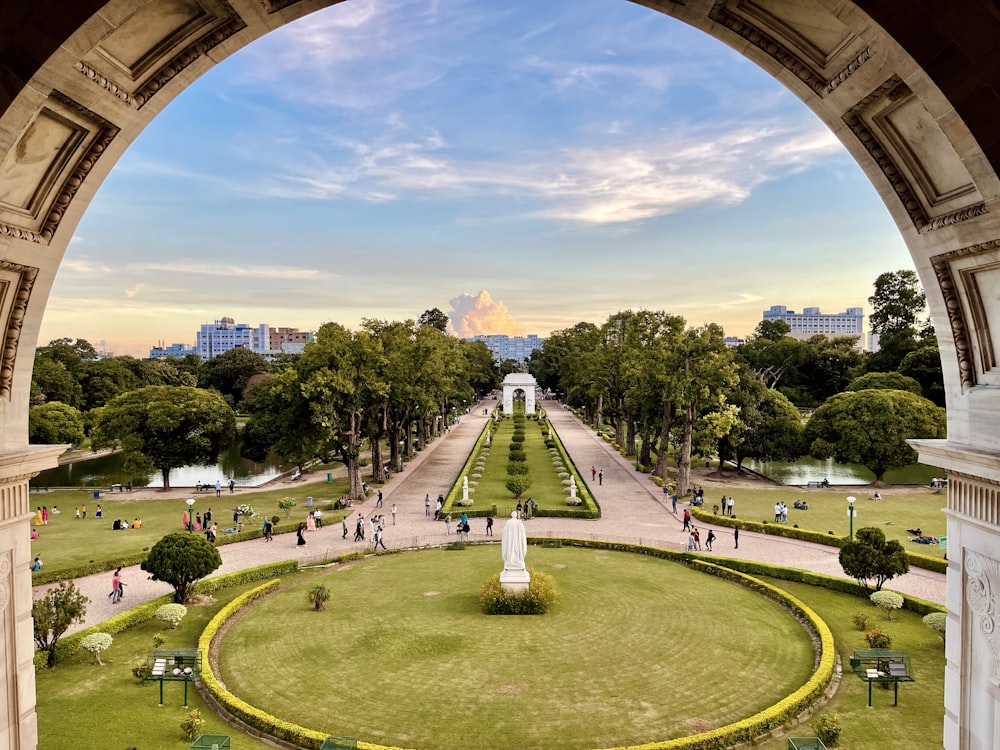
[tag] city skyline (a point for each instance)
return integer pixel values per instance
(520, 168)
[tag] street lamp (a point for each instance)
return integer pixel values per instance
(850, 513)
(190, 504)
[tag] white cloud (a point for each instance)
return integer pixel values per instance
(188, 267)
(481, 315)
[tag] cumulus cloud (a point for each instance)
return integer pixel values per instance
(481, 315)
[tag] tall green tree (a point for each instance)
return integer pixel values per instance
(53, 614)
(870, 559)
(165, 427)
(435, 319)
(230, 373)
(281, 420)
(181, 559)
(871, 428)
(923, 364)
(898, 317)
(55, 422)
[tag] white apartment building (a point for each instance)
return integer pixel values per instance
(224, 334)
(811, 322)
(510, 347)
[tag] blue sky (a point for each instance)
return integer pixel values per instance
(521, 165)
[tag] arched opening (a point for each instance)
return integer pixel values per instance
(913, 97)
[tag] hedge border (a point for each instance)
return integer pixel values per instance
(70, 644)
(747, 730)
(808, 535)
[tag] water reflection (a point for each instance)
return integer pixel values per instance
(807, 470)
(105, 470)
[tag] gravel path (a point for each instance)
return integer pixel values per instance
(631, 507)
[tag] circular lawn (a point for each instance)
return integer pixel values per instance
(636, 649)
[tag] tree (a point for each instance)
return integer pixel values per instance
(103, 379)
(435, 319)
(180, 559)
(898, 317)
(54, 613)
(884, 381)
(55, 422)
(869, 558)
(231, 371)
(923, 364)
(887, 601)
(166, 427)
(871, 428)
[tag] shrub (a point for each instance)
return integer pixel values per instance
(193, 725)
(318, 596)
(537, 600)
(95, 643)
(550, 443)
(937, 621)
(286, 504)
(141, 670)
(888, 601)
(827, 728)
(516, 454)
(517, 438)
(517, 467)
(159, 639)
(518, 485)
(861, 620)
(172, 614)
(878, 639)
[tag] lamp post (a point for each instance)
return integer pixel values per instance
(850, 514)
(190, 504)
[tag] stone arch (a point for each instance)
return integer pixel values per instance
(910, 90)
(519, 381)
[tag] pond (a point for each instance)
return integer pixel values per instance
(808, 469)
(105, 470)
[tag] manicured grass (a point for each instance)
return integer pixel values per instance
(636, 649)
(85, 706)
(899, 510)
(66, 542)
(917, 723)
(546, 487)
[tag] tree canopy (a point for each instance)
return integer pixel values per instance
(180, 559)
(870, 559)
(55, 422)
(166, 427)
(52, 615)
(870, 428)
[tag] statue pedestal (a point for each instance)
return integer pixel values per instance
(515, 580)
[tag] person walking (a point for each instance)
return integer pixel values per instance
(427, 505)
(687, 520)
(359, 529)
(736, 536)
(300, 541)
(709, 539)
(232, 485)
(600, 477)
(673, 503)
(378, 540)
(378, 501)
(447, 525)
(116, 587)
(344, 522)
(218, 488)
(489, 525)
(393, 514)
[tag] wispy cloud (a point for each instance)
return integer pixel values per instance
(188, 267)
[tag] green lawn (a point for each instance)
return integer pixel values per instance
(546, 487)
(635, 649)
(917, 723)
(81, 705)
(66, 542)
(899, 510)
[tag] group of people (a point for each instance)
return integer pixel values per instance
(121, 524)
(694, 539)
(803, 505)
(462, 528)
(726, 505)
(780, 512)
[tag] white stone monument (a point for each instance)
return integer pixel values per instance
(572, 487)
(465, 490)
(514, 546)
(519, 381)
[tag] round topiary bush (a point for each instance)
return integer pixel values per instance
(172, 614)
(937, 621)
(887, 601)
(517, 467)
(827, 728)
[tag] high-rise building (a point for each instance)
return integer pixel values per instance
(811, 322)
(510, 347)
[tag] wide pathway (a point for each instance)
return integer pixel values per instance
(631, 510)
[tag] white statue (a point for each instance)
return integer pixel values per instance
(465, 483)
(513, 543)
(572, 486)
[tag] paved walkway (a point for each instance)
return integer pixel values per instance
(631, 508)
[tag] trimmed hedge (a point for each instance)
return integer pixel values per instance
(805, 535)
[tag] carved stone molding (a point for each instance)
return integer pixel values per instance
(206, 24)
(70, 139)
(15, 290)
(957, 276)
(982, 581)
(903, 162)
(975, 498)
(792, 45)
(273, 6)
